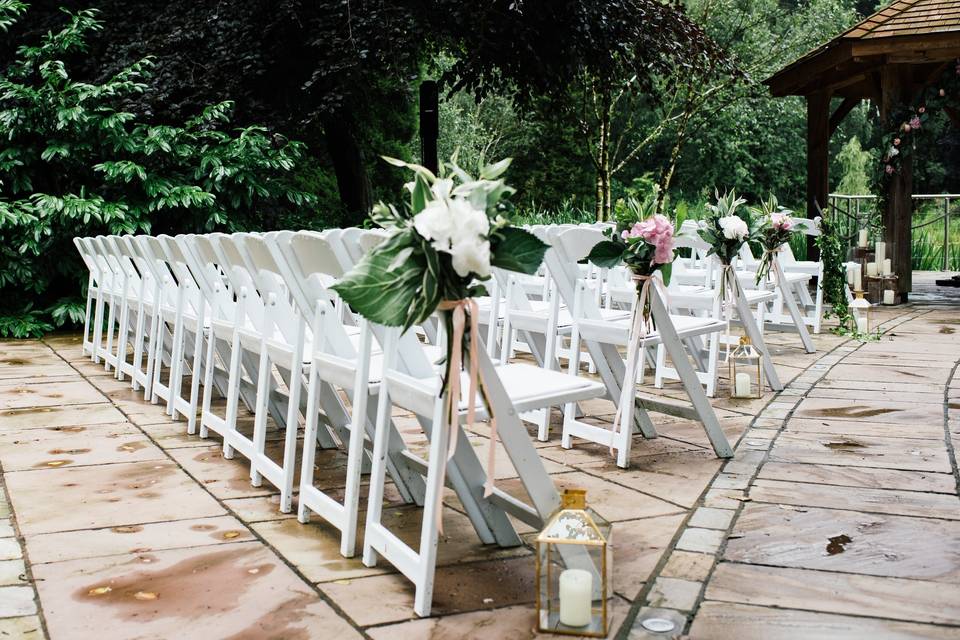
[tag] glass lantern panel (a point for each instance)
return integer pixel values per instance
(573, 588)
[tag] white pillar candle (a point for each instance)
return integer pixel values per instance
(888, 296)
(742, 385)
(862, 325)
(857, 278)
(850, 274)
(862, 239)
(887, 267)
(576, 597)
(872, 269)
(880, 253)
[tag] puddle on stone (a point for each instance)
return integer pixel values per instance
(67, 429)
(182, 586)
(843, 444)
(130, 447)
(67, 452)
(127, 529)
(837, 544)
(51, 464)
(851, 412)
(947, 330)
(203, 527)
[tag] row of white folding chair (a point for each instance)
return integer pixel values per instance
(139, 295)
(319, 256)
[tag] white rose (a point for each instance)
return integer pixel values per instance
(468, 221)
(893, 152)
(471, 255)
(734, 228)
(435, 223)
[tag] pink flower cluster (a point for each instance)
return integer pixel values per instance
(781, 221)
(657, 230)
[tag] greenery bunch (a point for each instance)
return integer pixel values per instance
(442, 245)
(75, 162)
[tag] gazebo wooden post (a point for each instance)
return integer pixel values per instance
(818, 144)
(896, 89)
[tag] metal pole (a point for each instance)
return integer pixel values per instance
(429, 124)
(946, 234)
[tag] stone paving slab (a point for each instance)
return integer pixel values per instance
(741, 544)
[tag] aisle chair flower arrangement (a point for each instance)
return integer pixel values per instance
(643, 243)
(777, 225)
(726, 227)
(442, 245)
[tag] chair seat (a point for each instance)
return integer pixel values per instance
(618, 332)
(529, 388)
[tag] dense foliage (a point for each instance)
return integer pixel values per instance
(76, 162)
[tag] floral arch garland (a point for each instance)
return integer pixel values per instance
(901, 141)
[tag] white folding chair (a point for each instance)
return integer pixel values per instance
(601, 337)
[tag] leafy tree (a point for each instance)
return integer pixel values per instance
(856, 163)
(592, 58)
(75, 162)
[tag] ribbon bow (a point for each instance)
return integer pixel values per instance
(638, 333)
(460, 310)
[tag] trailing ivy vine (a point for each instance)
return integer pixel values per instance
(833, 253)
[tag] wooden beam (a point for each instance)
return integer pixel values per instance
(841, 112)
(818, 138)
(953, 115)
(897, 85)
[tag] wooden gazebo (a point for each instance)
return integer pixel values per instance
(886, 58)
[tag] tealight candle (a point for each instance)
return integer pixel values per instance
(862, 239)
(887, 267)
(871, 269)
(576, 597)
(888, 295)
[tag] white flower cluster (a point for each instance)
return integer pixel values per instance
(734, 228)
(457, 227)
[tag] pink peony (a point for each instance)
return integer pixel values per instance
(781, 222)
(905, 127)
(889, 169)
(657, 230)
(942, 93)
(922, 110)
(896, 142)
(915, 122)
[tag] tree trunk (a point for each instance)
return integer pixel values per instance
(350, 167)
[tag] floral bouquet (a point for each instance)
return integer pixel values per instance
(646, 246)
(727, 226)
(776, 227)
(442, 245)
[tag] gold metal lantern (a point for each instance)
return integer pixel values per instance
(574, 564)
(746, 370)
(862, 313)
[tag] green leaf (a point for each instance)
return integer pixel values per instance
(381, 294)
(518, 250)
(606, 254)
(666, 271)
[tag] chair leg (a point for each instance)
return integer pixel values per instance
(209, 366)
(309, 441)
(290, 435)
(195, 375)
(423, 597)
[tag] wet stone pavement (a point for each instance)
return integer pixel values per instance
(838, 518)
